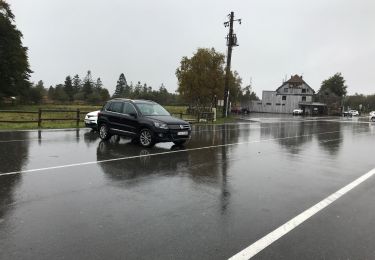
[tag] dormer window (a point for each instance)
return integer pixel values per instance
(303, 90)
(285, 90)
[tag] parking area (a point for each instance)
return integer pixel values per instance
(65, 194)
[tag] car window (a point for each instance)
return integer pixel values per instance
(152, 109)
(116, 107)
(106, 106)
(129, 109)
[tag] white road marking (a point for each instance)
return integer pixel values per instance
(161, 153)
(267, 240)
(19, 140)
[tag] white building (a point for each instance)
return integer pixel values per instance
(292, 94)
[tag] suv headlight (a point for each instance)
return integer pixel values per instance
(161, 125)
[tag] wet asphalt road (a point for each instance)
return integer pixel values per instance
(67, 195)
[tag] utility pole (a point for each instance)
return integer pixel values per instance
(231, 42)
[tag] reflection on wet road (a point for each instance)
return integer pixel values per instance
(72, 196)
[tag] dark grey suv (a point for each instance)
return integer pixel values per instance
(146, 122)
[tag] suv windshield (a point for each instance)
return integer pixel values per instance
(150, 109)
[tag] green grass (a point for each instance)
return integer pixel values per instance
(223, 120)
(176, 109)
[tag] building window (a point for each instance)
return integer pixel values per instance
(278, 104)
(286, 90)
(259, 103)
(283, 104)
(303, 90)
(303, 98)
(284, 98)
(268, 104)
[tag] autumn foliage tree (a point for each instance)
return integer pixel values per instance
(201, 78)
(335, 84)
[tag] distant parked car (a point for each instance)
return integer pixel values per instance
(346, 113)
(372, 116)
(245, 111)
(235, 110)
(91, 119)
(354, 112)
(297, 111)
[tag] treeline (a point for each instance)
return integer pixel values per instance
(87, 90)
(73, 89)
(360, 102)
(143, 91)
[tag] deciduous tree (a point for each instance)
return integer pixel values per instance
(201, 77)
(335, 84)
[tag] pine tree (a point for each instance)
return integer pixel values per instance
(76, 84)
(51, 93)
(120, 86)
(14, 64)
(68, 87)
(88, 85)
(98, 84)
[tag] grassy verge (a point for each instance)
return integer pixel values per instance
(223, 120)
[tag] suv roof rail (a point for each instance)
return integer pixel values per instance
(120, 99)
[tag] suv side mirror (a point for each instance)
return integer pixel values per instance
(133, 115)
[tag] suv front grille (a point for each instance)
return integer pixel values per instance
(179, 127)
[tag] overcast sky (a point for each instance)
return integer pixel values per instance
(146, 39)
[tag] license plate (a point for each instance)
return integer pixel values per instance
(182, 133)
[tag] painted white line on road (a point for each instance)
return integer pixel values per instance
(19, 140)
(161, 153)
(267, 240)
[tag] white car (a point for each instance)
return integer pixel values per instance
(372, 116)
(91, 119)
(297, 111)
(354, 112)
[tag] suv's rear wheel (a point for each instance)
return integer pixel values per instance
(146, 138)
(104, 132)
(373, 119)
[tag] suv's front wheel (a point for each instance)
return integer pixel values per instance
(146, 138)
(104, 132)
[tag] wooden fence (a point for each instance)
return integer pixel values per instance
(39, 119)
(198, 117)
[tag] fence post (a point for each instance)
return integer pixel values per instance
(78, 117)
(39, 117)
